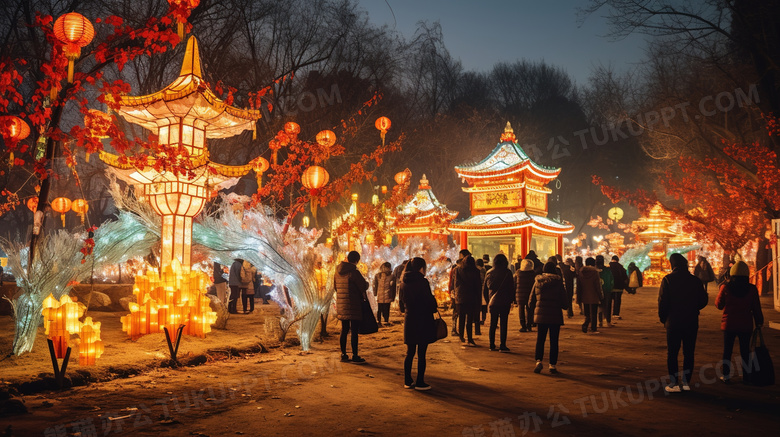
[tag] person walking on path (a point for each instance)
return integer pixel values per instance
(535, 258)
(454, 292)
(569, 278)
(234, 281)
(680, 298)
(483, 307)
(634, 278)
(524, 283)
(548, 300)
(741, 306)
(578, 264)
(607, 282)
(418, 306)
(589, 294)
(248, 272)
(703, 271)
(383, 292)
(620, 278)
(351, 289)
(469, 285)
(499, 289)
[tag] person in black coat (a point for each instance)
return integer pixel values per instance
(499, 288)
(548, 299)
(680, 298)
(468, 282)
(620, 283)
(569, 278)
(524, 284)
(418, 305)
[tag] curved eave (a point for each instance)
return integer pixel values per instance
(533, 168)
(539, 223)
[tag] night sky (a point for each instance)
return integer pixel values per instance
(481, 33)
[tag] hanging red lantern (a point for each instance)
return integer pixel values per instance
(326, 139)
(75, 31)
(13, 129)
(32, 203)
(61, 205)
(292, 128)
(260, 165)
(80, 207)
(182, 10)
(402, 177)
(314, 178)
(383, 125)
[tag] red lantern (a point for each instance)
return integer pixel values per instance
(260, 165)
(314, 178)
(80, 207)
(13, 129)
(326, 139)
(402, 177)
(292, 128)
(75, 31)
(383, 125)
(32, 204)
(61, 205)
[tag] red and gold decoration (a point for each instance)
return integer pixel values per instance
(383, 125)
(61, 205)
(313, 179)
(182, 116)
(509, 207)
(60, 320)
(80, 207)
(75, 31)
(655, 228)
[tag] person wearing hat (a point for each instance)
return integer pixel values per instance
(680, 298)
(524, 283)
(738, 299)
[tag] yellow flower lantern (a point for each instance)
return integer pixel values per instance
(75, 31)
(61, 205)
(90, 345)
(60, 320)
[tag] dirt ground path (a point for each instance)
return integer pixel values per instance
(609, 384)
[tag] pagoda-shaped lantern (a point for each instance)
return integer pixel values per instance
(182, 115)
(423, 216)
(508, 196)
(655, 229)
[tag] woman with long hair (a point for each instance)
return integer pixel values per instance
(418, 306)
(499, 289)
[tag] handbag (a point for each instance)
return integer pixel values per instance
(633, 282)
(368, 325)
(441, 327)
(760, 371)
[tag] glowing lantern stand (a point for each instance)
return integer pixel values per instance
(61, 205)
(75, 31)
(182, 115)
(60, 320)
(90, 345)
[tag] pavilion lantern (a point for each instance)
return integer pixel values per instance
(80, 207)
(61, 205)
(75, 31)
(90, 345)
(260, 166)
(182, 10)
(32, 203)
(383, 125)
(13, 129)
(60, 320)
(313, 179)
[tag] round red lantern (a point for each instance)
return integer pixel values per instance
(13, 130)
(292, 128)
(80, 207)
(402, 177)
(32, 203)
(75, 31)
(383, 125)
(326, 139)
(314, 178)
(260, 165)
(61, 205)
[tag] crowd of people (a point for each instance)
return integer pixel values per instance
(543, 292)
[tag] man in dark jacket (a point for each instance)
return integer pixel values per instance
(620, 278)
(680, 298)
(234, 281)
(351, 289)
(569, 277)
(453, 291)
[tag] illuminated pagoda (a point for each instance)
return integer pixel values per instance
(660, 229)
(428, 217)
(508, 198)
(183, 114)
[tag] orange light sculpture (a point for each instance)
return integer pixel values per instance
(75, 31)
(13, 129)
(80, 207)
(182, 115)
(61, 205)
(90, 345)
(313, 179)
(383, 125)
(60, 320)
